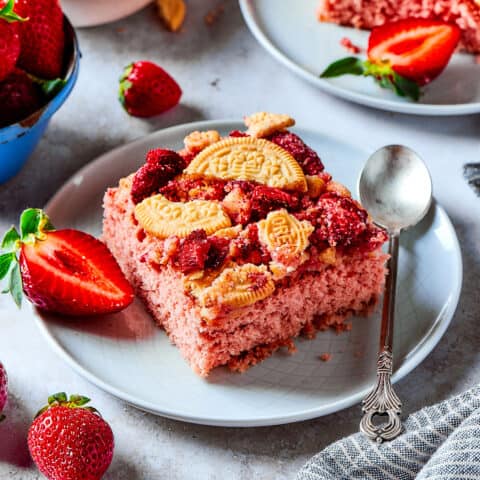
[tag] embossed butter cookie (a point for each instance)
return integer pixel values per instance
(280, 229)
(162, 218)
(239, 286)
(247, 158)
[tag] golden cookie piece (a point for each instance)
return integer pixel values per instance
(162, 218)
(280, 230)
(338, 188)
(238, 286)
(248, 158)
(329, 256)
(263, 124)
(315, 185)
(229, 232)
(197, 141)
(172, 13)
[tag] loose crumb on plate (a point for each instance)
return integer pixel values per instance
(349, 45)
(325, 357)
(214, 14)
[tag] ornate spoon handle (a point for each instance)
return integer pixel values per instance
(382, 400)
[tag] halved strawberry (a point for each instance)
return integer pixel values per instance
(403, 55)
(64, 271)
(416, 48)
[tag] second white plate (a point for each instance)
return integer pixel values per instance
(128, 356)
(291, 33)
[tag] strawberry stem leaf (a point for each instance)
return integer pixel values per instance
(16, 285)
(344, 66)
(79, 400)
(33, 223)
(382, 72)
(57, 398)
(51, 87)
(6, 261)
(8, 14)
(406, 86)
(10, 240)
(61, 400)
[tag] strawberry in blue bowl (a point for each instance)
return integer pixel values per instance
(39, 62)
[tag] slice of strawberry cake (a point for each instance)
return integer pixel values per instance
(239, 244)
(373, 13)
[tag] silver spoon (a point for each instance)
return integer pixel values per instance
(396, 190)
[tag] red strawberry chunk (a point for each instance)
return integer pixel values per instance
(237, 133)
(266, 199)
(73, 273)
(418, 49)
(248, 249)
(218, 252)
(303, 154)
(192, 252)
(338, 221)
(160, 167)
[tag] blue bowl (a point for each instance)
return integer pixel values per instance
(18, 141)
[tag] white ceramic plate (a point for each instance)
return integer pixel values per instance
(89, 13)
(126, 355)
(291, 33)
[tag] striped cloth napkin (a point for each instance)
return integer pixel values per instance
(441, 442)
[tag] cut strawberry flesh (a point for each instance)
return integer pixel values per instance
(417, 49)
(73, 273)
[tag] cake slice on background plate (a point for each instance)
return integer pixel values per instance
(237, 245)
(368, 14)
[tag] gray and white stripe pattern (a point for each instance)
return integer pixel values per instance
(441, 442)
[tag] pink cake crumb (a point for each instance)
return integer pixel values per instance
(325, 357)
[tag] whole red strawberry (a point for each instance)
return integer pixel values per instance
(3, 390)
(19, 97)
(64, 271)
(161, 166)
(69, 441)
(9, 38)
(147, 90)
(42, 37)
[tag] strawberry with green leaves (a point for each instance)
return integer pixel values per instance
(9, 38)
(147, 90)
(61, 271)
(403, 55)
(69, 440)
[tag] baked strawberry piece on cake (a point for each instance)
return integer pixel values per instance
(237, 245)
(373, 13)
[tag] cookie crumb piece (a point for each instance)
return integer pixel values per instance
(172, 13)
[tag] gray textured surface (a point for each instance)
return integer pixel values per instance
(224, 74)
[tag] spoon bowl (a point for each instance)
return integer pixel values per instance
(395, 187)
